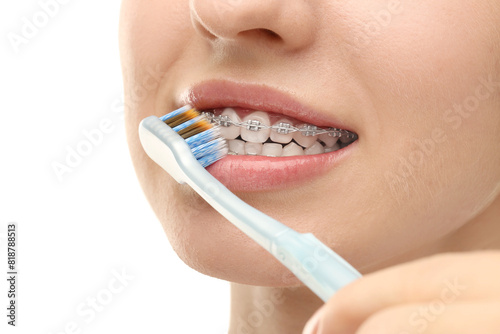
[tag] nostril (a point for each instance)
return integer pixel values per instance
(262, 34)
(271, 34)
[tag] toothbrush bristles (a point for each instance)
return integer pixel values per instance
(181, 118)
(203, 137)
(195, 128)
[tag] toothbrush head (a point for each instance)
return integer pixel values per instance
(182, 142)
(202, 136)
(184, 126)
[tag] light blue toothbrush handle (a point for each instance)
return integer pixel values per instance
(315, 264)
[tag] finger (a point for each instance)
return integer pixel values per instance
(450, 277)
(434, 318)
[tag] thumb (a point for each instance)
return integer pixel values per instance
(312, 326)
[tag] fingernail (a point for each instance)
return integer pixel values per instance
(313, 324)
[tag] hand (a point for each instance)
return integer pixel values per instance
(443, 294)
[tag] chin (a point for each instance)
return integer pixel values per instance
(211, 245)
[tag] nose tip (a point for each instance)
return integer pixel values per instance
(290, 23)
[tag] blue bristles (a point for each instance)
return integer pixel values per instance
(207, 152)
(207, 160)
(203, 137)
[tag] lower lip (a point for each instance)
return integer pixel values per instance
(260, 173)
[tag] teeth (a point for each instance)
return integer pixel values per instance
(253, 132)
(328, 140)
(292, 149)
(281, 135)
(304, 141)
(316, 148)
(254, 135)
(232, 131)
(333, 148)
(253, 148)
(272, 150)
(236, 146)
(345, 140)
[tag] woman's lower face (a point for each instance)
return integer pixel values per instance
(419, 83)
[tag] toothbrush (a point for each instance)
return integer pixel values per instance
(183, 142)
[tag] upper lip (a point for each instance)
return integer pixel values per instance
(215, 94)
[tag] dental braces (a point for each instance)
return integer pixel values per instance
(281, 128)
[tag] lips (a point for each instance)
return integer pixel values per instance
(219, 94)
(262, 173)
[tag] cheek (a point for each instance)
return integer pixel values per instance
(153, 34)
(429, 56)
(434, 80)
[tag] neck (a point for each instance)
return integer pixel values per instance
(256, 310)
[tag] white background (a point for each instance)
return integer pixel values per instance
(75, 233)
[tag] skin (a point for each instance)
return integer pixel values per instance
(422, 92)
